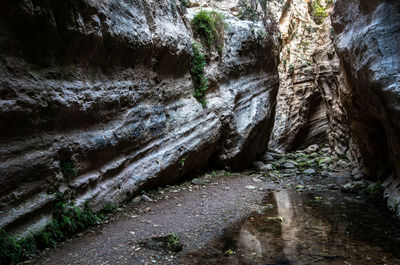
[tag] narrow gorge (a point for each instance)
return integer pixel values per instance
(200, 131)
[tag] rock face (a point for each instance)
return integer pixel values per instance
(96, 100)
(308, 109)
(368, 43)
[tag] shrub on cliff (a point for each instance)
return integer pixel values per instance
(318, 12)
(210, 25)
(200, 82)
(248, 10)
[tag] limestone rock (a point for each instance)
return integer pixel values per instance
(289, 165)
(368, 42)
(309, 171)
(311, 149)
(353, 187)
(324, 161)
(309, 109)
(356, 171)
(97, 100)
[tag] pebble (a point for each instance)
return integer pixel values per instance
(268, 157)
(257, 180)
(250, 187)
(311, 149)
(325, 161)
(289, 165)
(268, 167)
(342, 163)
(356, 171)
(325, 150)
(136, 199)
(309, 171)
(146, 198)
(197, 181)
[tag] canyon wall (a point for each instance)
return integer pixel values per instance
(368, 44)
(308, 108)
(96, 100)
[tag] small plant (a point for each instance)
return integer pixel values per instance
(332, 33)
(173, 243)
(318, 12)
(10, 249)
(248, 10)
(184, 3)
(67, 220)
(69, 170)
(197, 70)
(169, 243)
(182, 162)
(375, 191)
(210, 25)
(107, 209)
(263, 4)
(261, 34)
(291, 69)
(329, 2)
(229, 252)
(285, 7)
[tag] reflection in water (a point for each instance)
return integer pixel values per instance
(324, 228)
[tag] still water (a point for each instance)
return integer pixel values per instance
(308, 228)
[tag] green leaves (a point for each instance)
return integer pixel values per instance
(318, 12)
(68, 170)
(210, 25)
(197, 68)
(68, 220)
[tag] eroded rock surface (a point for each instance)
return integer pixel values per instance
(368, 43)
(308, 110)
(96, 100)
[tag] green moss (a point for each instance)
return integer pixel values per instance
(200, 82)
(67, 220)
(210, 25)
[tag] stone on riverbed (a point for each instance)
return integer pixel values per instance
(309, 171)
(311, 149)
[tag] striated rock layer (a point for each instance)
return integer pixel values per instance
(102, 91)
(308, 108)
(368, 43)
